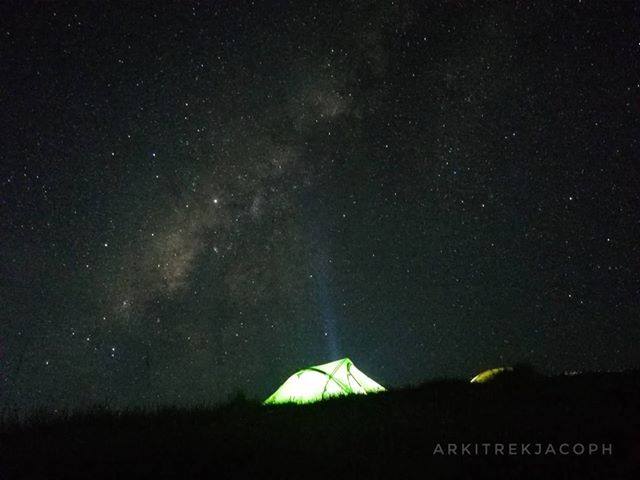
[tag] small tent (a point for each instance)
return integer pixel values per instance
(317, 383)
(491, 374)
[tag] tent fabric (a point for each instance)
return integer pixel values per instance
(490, 374)
(317, 383)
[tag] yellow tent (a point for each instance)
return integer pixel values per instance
(490, 374)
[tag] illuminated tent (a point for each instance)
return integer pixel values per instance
(491, 374)
(317, 383)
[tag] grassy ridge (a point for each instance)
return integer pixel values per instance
(390, 435)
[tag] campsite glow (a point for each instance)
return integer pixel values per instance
(321, 382)
(490, 374)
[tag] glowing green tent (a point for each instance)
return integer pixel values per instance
(489, 375)
(323, 381)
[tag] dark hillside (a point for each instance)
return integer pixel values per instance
(392, 435)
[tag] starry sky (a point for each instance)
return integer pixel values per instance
(199, 198)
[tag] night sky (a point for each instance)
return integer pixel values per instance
(199, 198)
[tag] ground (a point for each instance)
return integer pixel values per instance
(389, 435)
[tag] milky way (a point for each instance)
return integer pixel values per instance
(199, 198)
